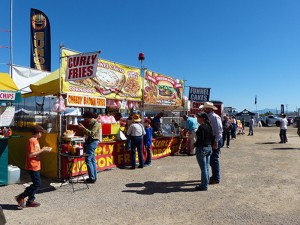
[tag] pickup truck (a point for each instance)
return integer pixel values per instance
(269, 120)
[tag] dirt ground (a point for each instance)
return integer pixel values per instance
(260, 184)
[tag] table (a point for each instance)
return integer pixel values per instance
(71, 159)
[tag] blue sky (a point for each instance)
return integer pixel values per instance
(238, 48)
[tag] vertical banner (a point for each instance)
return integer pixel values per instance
(282, 108)
(40, 41)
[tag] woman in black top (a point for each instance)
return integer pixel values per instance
(203, 149)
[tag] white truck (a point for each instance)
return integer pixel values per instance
(269, 120)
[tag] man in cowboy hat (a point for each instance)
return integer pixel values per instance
(217, 128)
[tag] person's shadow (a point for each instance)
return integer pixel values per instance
(153, 187)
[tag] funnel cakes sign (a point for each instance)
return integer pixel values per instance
(162, 90)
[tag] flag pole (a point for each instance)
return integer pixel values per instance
(11, 40)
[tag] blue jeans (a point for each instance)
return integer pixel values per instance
(233, 130)
(137, 144)
(149, 155)
(90, 159)
(214, 162)
(203, 157)
(226, 137)
(33, 188)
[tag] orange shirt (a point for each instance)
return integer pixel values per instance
(33, 163)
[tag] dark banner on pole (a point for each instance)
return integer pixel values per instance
(282, 108)
(199, 94)
(40, 41)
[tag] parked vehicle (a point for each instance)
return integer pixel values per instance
(269, 120)
(290, 120)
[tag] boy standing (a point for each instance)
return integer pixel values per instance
(33, 166)
(148, 141)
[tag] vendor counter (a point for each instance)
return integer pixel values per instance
(113, 154)
(108, 154)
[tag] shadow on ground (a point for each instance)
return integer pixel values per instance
(152, 187)
(285, 148)
(267, 143)
(9, 206)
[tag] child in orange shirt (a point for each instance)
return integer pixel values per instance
(33, 166)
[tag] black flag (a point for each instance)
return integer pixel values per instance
(40, 41)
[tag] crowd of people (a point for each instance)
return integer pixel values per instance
(207, 134)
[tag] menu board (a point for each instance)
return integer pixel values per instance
(7, 116)
(162, 90)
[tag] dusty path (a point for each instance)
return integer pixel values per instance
(260, 185)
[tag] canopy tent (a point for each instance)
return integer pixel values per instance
(245, 112)
(48, 85)
(6, 83)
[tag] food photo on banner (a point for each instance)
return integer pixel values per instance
(199, 94)
(112, 80)
(162, 90)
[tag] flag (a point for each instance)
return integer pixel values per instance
(255, 102)
(40, 41)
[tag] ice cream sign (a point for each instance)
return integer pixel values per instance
(7, 96)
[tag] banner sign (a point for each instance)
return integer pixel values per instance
(40, 41)
(7, 96)
(199, 94)
(85, 101)
(81, 66)
(162, 90)
(112, 80)
(282, 108)
(7, 116)
(111, 154)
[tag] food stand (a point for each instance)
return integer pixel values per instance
(116, 86)
(8, 95)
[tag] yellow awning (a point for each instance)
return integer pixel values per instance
(48, 85)
(6, 83)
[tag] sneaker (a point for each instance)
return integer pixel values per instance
(90, 181)
(32, 204)
(20, 201)
(214, 182)
(199, 188)
(141, 167)
(228, 146)
(147, 164)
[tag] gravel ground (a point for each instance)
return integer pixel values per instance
(260, 185)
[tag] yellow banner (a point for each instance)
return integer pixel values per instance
(113, 80)
(85, 101)
(162, 90)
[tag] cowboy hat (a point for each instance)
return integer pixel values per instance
(136, 118)
(208, 105)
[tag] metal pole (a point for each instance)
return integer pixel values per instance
(59, 115)
(11, 39)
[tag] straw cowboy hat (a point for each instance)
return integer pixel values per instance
(136, 118)
(208, 105)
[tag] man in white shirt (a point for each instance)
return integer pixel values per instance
(217, 128)
(283, 128)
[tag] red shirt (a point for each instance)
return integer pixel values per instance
(34, 162)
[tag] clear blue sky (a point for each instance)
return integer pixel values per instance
(238, 48)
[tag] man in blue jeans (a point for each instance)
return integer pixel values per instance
(93, 133)
(217, 129)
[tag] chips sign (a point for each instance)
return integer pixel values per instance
(9, 96)
(86, 101)
(81, 66)
(199, 94)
